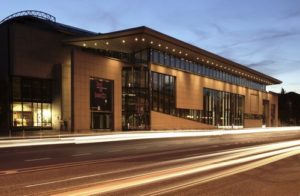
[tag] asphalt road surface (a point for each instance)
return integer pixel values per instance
(248, 164)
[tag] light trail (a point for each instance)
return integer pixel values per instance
(262, 156)
(141, 136)
(231, 154)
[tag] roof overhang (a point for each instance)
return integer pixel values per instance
(136, 39)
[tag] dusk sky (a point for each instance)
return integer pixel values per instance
(261, 34)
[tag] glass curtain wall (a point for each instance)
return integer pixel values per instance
(31, 103)
(163, 93)
(169, 60)
(135, 93)
(223, 108)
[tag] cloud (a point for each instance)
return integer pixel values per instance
(218, 28)
(265, 66)
(293, 14)
(262, 63)
(264, 35)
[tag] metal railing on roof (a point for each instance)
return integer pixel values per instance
(33, 13)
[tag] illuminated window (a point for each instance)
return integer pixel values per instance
(17, 114)
(31, 106)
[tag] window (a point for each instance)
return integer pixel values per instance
(163, 91)
(135, 98)
(166, 59)
(31, 102)
(223, 108)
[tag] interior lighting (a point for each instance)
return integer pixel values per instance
(107, 43)
(84, 44)
(95, 44)
(136, 39)
(173, 50)
(159, 45)
(143, 39)
(123, 41)
(151, 42)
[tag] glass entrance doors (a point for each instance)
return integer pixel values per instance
(101, 120)
(266, 112)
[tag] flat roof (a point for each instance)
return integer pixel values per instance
(135, 39)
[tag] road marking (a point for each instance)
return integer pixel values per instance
(83, 154)
(39, 159)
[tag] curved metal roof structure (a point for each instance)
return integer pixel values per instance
(32, 13)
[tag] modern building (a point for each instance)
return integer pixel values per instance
(54, 76)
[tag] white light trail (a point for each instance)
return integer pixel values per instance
(141, 135)
(138, 180)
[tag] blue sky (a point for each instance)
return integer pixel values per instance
(261, 34)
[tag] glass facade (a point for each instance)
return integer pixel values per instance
(219, 108)
(164, 98)
(135, 98)
(31, 103)
(222, 108)
(163, 93)
(169, 60)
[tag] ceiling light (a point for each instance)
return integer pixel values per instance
(159, 45)
(84, 44)
(95, 44)
(197, 58)
(151, 42)
(143, 39)
(123, 41)
(173, 50)
(107, 43)
(167, 47)
(186, 54)
(136, 39)
(179, 52)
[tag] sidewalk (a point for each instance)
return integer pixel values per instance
(133, 135)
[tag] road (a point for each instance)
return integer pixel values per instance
(248, 164)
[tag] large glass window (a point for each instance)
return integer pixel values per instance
(166, 59)
(28, 114)
(135, 98)
(31, 102)
(163, 91)
(223, 108)
(17, 114)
